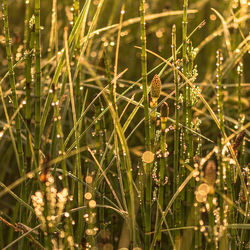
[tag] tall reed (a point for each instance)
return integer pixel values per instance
(163, 171)
(29, 45)
(148, 184)
(176, 176)
(38, 86)
(20, 159)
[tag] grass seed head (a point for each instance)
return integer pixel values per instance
(155, 88)
(238, 140)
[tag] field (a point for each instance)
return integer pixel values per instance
(124, 124)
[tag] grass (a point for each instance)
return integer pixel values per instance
(124, 127)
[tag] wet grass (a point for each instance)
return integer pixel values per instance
(124, 125)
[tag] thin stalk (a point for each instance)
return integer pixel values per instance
(53, 39)
(102, 152)
(221, 182)
(77, 107)
(190, 153)
(181, 217)
(38, 80)
(177, 172)
(164, 117)
(244, 233)
(155, 94)
(240, 116)
(122, 173)
(144, 72)
(176, 176)
(179, 211)
(177, 108)
(223, 163)
(221, 117)
(219, 95)
(185, 61)
(78, 160)
(29, 44)
(189, 142)
(29, 39)
(108, 73)
(77, 53)
(148, 186)
(142, 193)
(239, 74)
(117, 54)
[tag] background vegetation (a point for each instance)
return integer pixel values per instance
(124, 124)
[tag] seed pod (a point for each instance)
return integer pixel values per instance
(210, 172)
(238, 140)
(155, 88)
(164, 112)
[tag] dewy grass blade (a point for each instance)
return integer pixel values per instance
(78, 161)
(38, 86)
